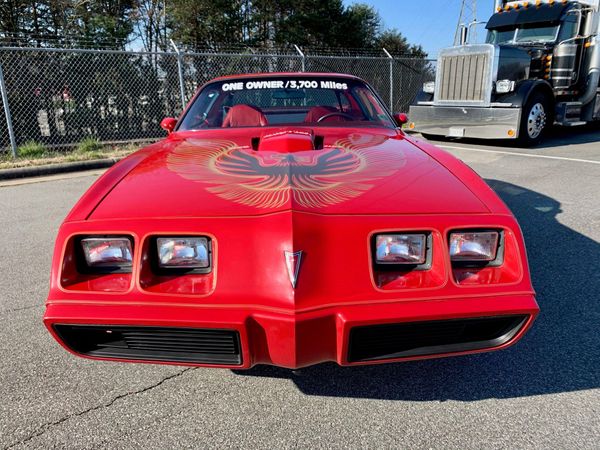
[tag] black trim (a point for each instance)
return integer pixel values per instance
(409, 339)
(80, 261)
(170, 344)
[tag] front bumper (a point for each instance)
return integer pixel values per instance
(346, 334)
(467, 122)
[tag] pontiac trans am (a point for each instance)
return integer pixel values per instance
(288, 220)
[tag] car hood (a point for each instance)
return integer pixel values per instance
(256, 172)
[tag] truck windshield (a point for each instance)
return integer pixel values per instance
(529, 35)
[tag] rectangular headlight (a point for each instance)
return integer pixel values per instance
(183, 252)
(474, 246)
(429, 87)
(400, 248)
(505, 86)
(107, 252)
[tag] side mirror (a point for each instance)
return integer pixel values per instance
(400, 118)
(168, 124)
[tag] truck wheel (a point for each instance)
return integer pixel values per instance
(535, 120)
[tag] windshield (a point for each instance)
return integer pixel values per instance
(264, 101)
(523, 35)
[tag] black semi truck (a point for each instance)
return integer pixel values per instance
(540, 66)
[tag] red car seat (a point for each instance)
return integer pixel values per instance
(316, 112)
(244, 116)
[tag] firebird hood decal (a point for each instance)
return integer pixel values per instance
(311, 179)
(217, 174)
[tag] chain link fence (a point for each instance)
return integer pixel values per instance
(60, 97)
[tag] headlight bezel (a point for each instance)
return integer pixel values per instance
(402, 266)
(500, 245)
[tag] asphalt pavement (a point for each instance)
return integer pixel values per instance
(544, 392)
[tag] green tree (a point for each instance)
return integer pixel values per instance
(202, 23)
(395, 43)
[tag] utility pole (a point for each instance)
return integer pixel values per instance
(466, 22)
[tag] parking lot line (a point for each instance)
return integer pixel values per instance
(560, 158)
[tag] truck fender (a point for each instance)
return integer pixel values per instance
(524, 90)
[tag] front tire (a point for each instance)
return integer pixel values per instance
(536, 118)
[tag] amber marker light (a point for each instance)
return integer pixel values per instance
(412, 126)
(511, 133)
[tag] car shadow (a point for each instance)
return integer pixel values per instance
(558, 136)
(561, 353)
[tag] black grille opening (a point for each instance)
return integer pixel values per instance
(399, 340)
(191, 345)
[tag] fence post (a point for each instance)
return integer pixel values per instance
(391, 79)
(301, 56)
(180, 70)
(11, 132)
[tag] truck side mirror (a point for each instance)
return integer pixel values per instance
(168, 124)
(400, 118)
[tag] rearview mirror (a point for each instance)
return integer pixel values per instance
(168, 124)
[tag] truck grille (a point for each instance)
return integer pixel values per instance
(188, 345)
(465, 76)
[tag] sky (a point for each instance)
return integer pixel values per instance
(430, 23)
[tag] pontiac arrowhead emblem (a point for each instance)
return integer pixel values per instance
(292, 261)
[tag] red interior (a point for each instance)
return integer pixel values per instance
(244, 116)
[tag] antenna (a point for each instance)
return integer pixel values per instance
(468, 16)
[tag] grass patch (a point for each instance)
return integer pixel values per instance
(44, 158)
(89, 145)
(31, 149)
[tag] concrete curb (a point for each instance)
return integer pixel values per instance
(52, 169)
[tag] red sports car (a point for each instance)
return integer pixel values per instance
(287, 220)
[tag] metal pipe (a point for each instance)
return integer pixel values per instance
(11, 132)
(391, 79)
(301, 56)
(180, 71)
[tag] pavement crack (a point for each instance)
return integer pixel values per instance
(8, 311)
(47, 426)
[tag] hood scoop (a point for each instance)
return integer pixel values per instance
(288, 140)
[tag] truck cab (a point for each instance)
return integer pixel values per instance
(539, 66)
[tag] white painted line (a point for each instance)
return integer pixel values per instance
(560, 158)
(64, 176)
